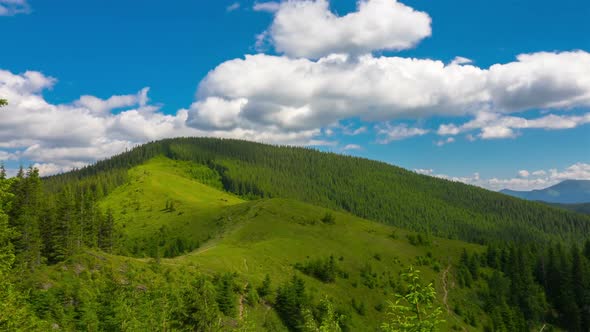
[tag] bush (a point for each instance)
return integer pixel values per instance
(324, 270)
(328, 218)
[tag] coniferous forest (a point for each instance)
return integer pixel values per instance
(67, 263)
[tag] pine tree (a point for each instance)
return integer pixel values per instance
(199, 310)
(265, 288)
(2, 171)
(226, 299)
(25, 213)
(106, 232)
(581, 286)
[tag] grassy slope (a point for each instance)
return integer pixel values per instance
(269, 236)
(139, 205)
(366, 188)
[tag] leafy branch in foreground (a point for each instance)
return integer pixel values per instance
(328, 321)
(415, 311)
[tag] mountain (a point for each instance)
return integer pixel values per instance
(166, 210)
(565, 192)
(201, 234)
(365, 188)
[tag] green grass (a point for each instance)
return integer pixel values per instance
(139, 206)
(269, 236)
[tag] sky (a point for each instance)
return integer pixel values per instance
(494, 94)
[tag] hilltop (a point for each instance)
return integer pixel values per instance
(164, 209)
(365, 188)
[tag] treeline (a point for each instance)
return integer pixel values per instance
(530, 285)
(366, 188)
(50, 226)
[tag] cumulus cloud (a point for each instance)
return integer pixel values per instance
(310, 29)
(296, 94)
(524, 179)
(61, 136)
(301, 94)
(541, 80)
(14, 7)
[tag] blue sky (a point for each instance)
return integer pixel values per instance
(116, 48)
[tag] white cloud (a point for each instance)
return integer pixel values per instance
(350, 130)
(13, 7)
(524, 173)
(46, 169)
(309, 29)
(493, 132)
(524, 180)
(541, 80)
(352, 147)
(269, 6)
(495, 125)
(389, 133)
(216, 113)
(442, 142)
(301, 94)
(424, 171)
(102, 106)
(61, 136)
(459, 60)
(448, 129)
(577, 171)
(233, 6)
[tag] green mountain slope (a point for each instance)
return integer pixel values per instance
(580, 208)
(369, 189)
(251, 239)
(166, 209)
(181, 234)
(272, 236)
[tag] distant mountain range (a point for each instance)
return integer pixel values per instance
(566, 192)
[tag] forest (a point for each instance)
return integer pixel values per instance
(366, 188)
(533, 273)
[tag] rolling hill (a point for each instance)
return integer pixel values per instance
(365, 188)
(565, 192)
(209, 234)
(250, 240)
